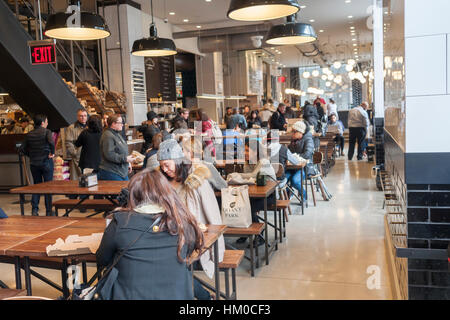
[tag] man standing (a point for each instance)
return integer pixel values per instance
(148, 129)
(72, 152)
(278, 121)
(358, 124)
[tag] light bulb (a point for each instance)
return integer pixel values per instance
(306, 74)
(351, 62)
(330, 77)
(337, 65)
(315, 73)
(349, 67)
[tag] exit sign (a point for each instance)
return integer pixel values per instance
(42, 52)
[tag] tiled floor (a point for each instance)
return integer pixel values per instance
(327, 252)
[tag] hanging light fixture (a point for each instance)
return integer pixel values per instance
(153, 46)
(306, 74)
(315, 73)
(337, 65)
(259, 10)
(349, 68)
(76, 25)
(291, 33)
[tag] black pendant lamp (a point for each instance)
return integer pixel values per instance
(153, 46)
(291, 33)
(258, 10)
(76, 25)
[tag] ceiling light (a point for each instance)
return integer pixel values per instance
(365, 73)
(90, 26)
(185, 20)
(348, 1)
(208, 0)
(328, 83)
(172, 13)
(321, 31)
(198, 27)
(302, 7)
(352, 27)
(324, 77)
(350, 17)
(337, 65)
(312, 20)
(153, 46)
(353, 39)
(315, 73)
(291, 33)
(349, 68)
(354, 44)
(351, 62)
(258, 10)
(330, 77)
(306, 74)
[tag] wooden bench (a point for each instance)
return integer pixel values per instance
(251, 232)
(10, 293)
(231, 260)
(99, 205)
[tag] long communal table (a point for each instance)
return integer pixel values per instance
(107, 189)
(24, 237)
(262, 192)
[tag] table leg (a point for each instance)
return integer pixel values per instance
(65, 288)
(18, 272)
(22, 204)
(266, 244)
(216, 269)
(252, 257)
(26, 266)
(301, 191)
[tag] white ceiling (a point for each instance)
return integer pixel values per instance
(331, 16)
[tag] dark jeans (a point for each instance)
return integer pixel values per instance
(199, 291)
(258, 205)
(41, 174)
(340, 140)
(356, 135)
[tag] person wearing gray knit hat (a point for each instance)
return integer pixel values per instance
(170, 150)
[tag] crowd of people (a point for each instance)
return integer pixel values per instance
(175, 190)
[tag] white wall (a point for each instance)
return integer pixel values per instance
(427, 50)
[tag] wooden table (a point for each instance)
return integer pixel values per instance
(63, 187)
(27, 237)
(263, 192)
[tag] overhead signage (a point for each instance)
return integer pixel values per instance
(42, 52)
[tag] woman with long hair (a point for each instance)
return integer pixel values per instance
(191, 183)
(156, 266)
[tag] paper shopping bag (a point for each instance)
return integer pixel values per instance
(236, 210)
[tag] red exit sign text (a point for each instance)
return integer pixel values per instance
(42, 54)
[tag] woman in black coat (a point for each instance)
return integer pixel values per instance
(254, 119)
(155, 267)
(310, 114)
(89, 141)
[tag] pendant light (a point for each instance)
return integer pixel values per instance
(291, 33)
(153, 46)
(76, 25)
(259, 10)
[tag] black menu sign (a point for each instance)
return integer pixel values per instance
(160, 78)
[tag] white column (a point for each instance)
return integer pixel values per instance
(378, 52)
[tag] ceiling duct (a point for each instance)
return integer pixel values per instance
(313, 52)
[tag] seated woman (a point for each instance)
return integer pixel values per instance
(196, 193)
(156, 141)
(155, 267)
(303, 145)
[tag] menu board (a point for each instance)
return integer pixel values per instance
(160, 78)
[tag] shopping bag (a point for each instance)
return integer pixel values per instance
(236, 210)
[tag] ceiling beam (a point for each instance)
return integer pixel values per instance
(253, 28)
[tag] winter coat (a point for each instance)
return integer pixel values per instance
(311, 115)
(73, 153)
(114, 152)
(198, 195)
(305, 149)
(150, 269)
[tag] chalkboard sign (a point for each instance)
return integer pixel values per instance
(160, 78)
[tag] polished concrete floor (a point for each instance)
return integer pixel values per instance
(334, 251)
